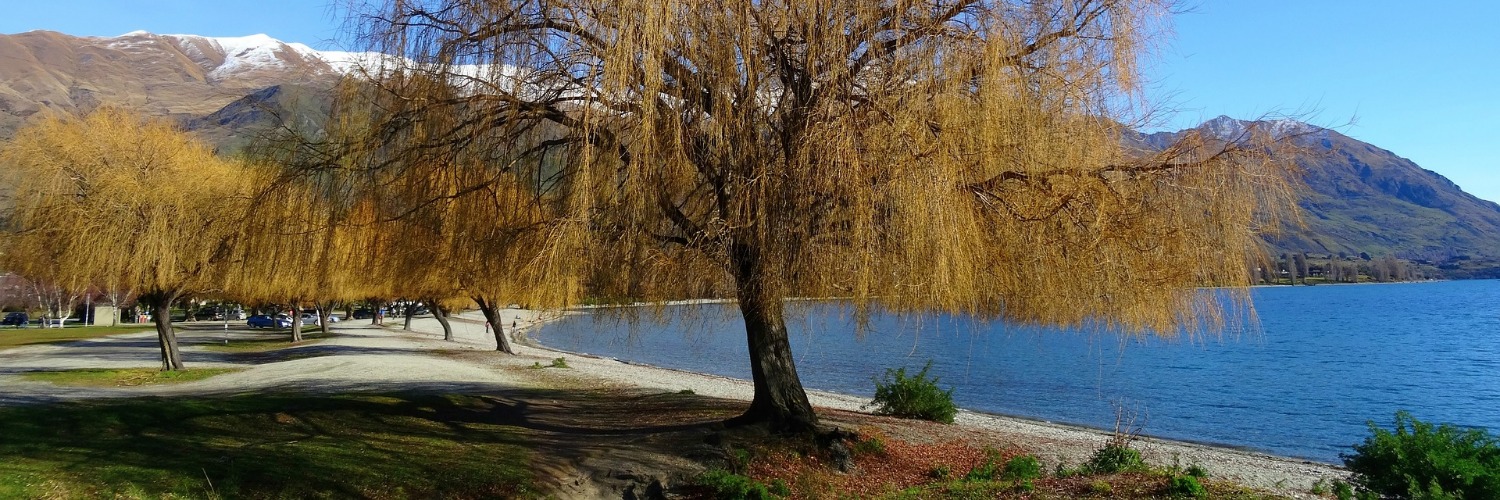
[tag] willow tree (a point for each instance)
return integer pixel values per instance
(966, 156)
(462, 211)
(124, 202)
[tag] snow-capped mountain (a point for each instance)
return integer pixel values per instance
(1226, 128)
(182, 76)
(229, 57)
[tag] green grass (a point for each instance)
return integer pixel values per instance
(124, 377)
(265, 447)
(16, 337)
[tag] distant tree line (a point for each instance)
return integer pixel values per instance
(1303, 268)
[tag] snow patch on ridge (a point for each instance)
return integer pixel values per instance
(244, 54)
(241, 54)
(1231, 129)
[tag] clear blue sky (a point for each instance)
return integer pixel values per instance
(1417, 78)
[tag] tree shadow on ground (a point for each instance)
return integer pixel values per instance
(453, 441)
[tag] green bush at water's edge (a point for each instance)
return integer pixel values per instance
(913, 397)
(1114, 459)
(1419, 460)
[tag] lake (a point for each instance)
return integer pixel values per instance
(1323, 361)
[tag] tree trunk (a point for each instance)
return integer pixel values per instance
(441, 314)
(296, 323)
(161, 312)
(325, 311)
(409, 310)
(780, 401)
(492, 316)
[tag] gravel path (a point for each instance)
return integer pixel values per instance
(365, 358)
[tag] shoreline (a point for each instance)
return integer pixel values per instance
(1053, 442)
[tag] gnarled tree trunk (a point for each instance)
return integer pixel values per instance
(408, 311)
(492, 316)
(441, 314)
(160, 304)
(780, 401)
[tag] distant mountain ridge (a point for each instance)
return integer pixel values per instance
(1364, 199)
(178, 76)
(1360, 198)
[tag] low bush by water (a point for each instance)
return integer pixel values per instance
(1421, 460)
(916, 396)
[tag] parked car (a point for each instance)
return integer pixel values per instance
(16, 319)
(263, 321)
(310, 319)
(364, 313)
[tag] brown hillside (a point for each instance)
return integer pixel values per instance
(177, 76)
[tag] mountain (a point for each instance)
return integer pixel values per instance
(289, 106)
(1364, 199)
(179, 76)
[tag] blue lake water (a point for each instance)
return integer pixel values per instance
(1323, 361)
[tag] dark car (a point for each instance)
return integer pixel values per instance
(16, 319)
(365, 313)
(263, 321)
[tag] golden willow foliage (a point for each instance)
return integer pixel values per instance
(119, 201)
(458, 215)
(958, 155)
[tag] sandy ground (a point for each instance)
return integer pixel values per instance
(368, 358)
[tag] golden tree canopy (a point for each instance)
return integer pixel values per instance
(122, 201)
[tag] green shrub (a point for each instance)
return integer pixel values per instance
(986, 471)
(1113, 459)
(1343, 490)
(730, 486)
(779, 488)
(1186, 486)
(1319, 487)
(871, 446)
(913, 397)
(982, 472)
(560, 363)
(1197, 471)
(940, 472)
(1022, 468)
(1418, 460)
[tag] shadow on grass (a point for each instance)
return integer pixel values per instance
(459, 444)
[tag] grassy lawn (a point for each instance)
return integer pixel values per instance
(15, 337)
(124, 377)
(263, 447)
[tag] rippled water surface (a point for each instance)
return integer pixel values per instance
(1324, 360)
